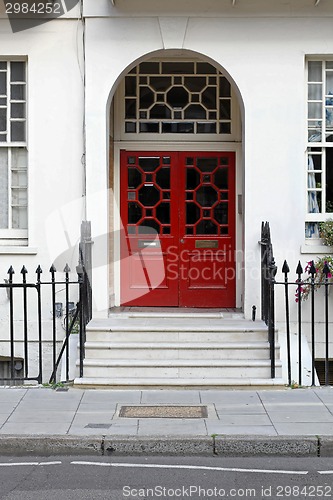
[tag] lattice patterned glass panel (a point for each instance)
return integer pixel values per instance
(177, 98)
(207, 195)
(148, 192)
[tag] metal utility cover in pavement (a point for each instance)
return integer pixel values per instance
(163, 412)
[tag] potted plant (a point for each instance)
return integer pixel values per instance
(304, 290)
(326, 232)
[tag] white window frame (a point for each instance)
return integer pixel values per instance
(12, 236)
(316, 217)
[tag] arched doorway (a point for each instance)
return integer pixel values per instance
(176, 153)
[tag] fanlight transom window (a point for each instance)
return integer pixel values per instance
(177, 98)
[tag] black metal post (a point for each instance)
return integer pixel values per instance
(67, 271)
(312, 272)
(54, 317)
(80, 274)
(39, 299)
(286, 270)
(326, 271)
(25, 322)
(11, 321)
(299, 272)
(271, 324)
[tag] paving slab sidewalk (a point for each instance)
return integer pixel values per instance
(238, 422)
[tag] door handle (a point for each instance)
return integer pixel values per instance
(182, 241)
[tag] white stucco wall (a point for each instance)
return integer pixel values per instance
(261, 45)
(55, 131)
(55, 172)
(265, 57)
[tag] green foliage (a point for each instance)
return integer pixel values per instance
(326, 232)
(319, 277)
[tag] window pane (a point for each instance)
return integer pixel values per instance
(3, 83)
(204, 68)
(315, 92)
(149, 67)
(225, 109)
(3, 119)
(314, 110)
(225, 128)
(19, 158)
(3, 188)
(17, 72)
(225, 88)
(149, 163)
(17, 92)
(17, 110)
(195, 84)
(17, 131)
(315, 71)
(19, 218)
(329, 83)
(130, 127)
(178, 67)
(206, 128)
(130, 108)
(195, 111)
(19, 197)
(209, 98)
(130, 86)
(19, 178)
(329, 180)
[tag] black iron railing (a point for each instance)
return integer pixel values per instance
(305, 287)
(29, 332)
(268, 272)
(26, 302)
(303, 307)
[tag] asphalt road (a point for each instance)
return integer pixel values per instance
(113, 478)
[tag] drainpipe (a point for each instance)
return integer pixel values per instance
(83, 76)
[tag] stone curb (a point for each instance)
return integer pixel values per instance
(300, 446)
(241, 446)
(50, 445)
(159, 445)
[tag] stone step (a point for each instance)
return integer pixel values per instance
(176, 383)
(185, 314)
(178, 368)
(169, 335)
(176, 350)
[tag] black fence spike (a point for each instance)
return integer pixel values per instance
(39, 270)
(67, 269)
(326, 269)
(299, 269)
(24, 270)
(285, 268)
(312, 269)
(11, 271)
(53, 269)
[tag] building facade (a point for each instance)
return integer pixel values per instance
(176, 128)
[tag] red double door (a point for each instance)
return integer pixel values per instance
(178, 237)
